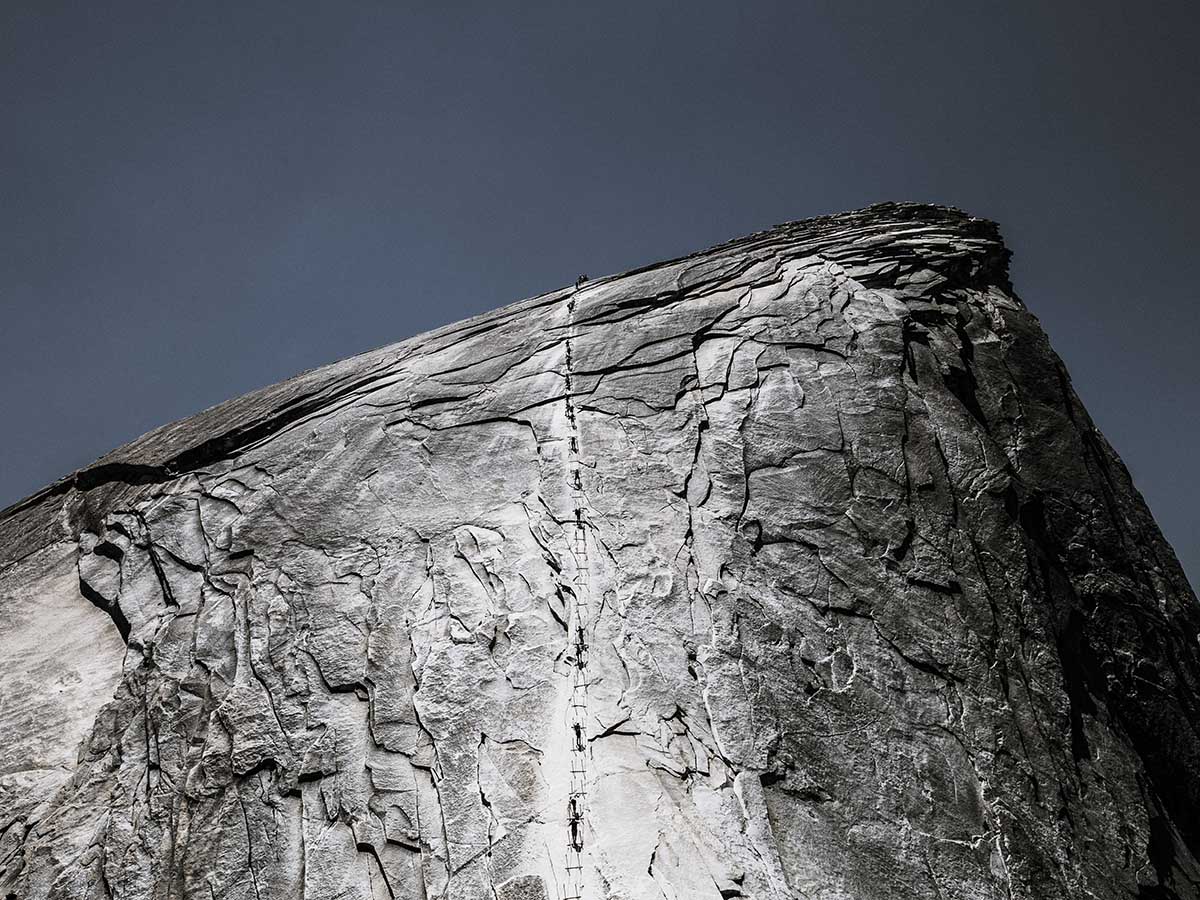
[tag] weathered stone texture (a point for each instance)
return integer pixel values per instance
(871, 610)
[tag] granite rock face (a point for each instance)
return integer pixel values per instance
(790, 569)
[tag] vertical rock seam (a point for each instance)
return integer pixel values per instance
(574, 887)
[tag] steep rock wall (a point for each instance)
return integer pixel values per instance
(790, 569)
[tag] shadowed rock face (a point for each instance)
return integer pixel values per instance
(791, 569)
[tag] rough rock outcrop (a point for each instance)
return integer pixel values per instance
(790, 569)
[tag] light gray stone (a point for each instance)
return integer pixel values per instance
(808, 533)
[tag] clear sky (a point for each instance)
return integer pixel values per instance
(197, 199)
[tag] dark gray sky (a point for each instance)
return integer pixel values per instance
(201, 198)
